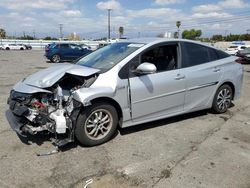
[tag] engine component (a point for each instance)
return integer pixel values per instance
(59, 118)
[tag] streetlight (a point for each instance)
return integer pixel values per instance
(178, 24)
(109, 10)
(61, 32)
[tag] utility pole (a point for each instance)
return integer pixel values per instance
(109, 10)
(61, 30)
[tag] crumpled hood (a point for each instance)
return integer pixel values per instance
(48, 77)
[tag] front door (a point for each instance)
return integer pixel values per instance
(161, 93)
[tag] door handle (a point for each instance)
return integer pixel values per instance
(179, 77)
(216, 69)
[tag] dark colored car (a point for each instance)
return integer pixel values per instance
(244, 54)
(57, 52)
(28, 46)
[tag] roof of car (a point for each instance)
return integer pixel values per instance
(157, 39)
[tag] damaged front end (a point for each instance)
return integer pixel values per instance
(52, 109)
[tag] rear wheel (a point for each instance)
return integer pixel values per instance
(222, 99)
(96, 124)
(56, 58)
(7, 48)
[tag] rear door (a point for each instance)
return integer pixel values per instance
(65, 51)
(203, 73)
(76, 51)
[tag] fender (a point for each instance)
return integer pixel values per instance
(85, 95)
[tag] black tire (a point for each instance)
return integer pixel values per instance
(55, 58)
(21, 49)
(100, 119)
(222, 99)
(7, 48)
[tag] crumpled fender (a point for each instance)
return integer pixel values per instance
(85, 95)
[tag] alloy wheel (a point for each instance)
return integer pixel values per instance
(224, 99)
(98, 124)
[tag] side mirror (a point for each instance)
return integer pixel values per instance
(145, 68)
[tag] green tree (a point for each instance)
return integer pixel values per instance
(2, 33)
(26, 37)
(121, 32)
(50, 38)
(191, 34)
(217, 38)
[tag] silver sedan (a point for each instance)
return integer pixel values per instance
(124, 84)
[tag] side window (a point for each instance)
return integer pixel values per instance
(221, 54)
(163, 57)
(63, 45)
(74, 46)
(212, 54)
(194, 54)
(126, 71)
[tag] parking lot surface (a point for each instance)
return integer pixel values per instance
(194, 150)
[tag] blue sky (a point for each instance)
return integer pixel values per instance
(147, 18)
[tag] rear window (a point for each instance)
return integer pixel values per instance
(195, 54)
(63, 45)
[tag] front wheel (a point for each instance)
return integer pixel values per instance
(96, 124)
(222, 99)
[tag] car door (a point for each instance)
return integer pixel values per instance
(65, 51)
(75, 51)
(203, 73)
(158, 94)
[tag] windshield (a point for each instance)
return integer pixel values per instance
(108, 56)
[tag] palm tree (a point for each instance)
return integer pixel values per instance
(121, 31)
(2, 33)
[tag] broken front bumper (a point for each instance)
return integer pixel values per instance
(15, 116)
(16, 123)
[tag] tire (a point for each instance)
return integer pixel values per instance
(21, 49)
(96, 124)
(7, 48)
(222, 99)
(56, 58)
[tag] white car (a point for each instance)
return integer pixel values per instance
(124, 84)
(232, 50)
(14, 47)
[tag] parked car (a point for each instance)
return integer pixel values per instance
(124, 83)
(14, 47)
(245, 54)
(232, 50)
(58, 52)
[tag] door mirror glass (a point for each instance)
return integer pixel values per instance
(145, 68)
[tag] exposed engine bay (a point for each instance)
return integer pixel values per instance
(55, 112)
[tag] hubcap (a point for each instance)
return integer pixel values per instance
(98, 124)
(224, 99)
(56, 58)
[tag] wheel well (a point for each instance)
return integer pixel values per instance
(231, 85)
(112, 102)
